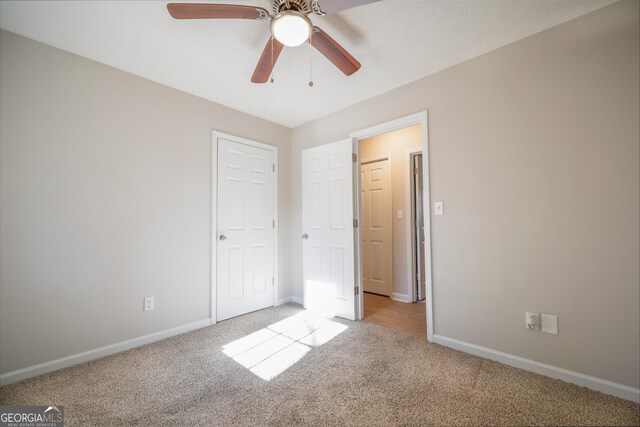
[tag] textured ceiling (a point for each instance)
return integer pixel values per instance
(397, 41)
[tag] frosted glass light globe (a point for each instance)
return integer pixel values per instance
(291, 28)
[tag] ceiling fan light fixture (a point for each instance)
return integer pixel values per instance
(291, 28)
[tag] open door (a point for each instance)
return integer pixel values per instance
(328, 230)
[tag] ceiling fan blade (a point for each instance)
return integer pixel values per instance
(215, 11)
(334, 52)
(333, 6)
(267, 61)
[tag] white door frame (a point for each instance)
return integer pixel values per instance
(411, 230)
(403, 122)
(214, 212)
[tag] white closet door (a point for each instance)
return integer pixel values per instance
(328, 229)
(246, 234)
(377, 243)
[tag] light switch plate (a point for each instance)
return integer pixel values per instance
(399, 214)
(439, 208)
(549, 323)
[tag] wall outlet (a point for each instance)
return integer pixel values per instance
(549, 323)
(148, 303)
(532, 321)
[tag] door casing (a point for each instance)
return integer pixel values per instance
(400, 123)
(412, 266)
(214, 213)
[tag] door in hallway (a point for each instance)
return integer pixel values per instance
(376, 227)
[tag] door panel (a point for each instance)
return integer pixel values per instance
(327, 220)
(376, 230)
(245, 258)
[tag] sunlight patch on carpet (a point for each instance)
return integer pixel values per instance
(274, 349)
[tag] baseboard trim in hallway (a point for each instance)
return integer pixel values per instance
(604, 386)
(65, 362)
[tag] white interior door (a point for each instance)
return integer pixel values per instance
(328, 229)
(246, 229)
(376, 227)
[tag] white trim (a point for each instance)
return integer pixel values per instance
(390, 126)
(420, 118)
(297, 300)
(411, 241)
(214, 226)
(215, 135)
(357, 238)
(65, 362)
(283, 301)
(604, 386)
(400, 297)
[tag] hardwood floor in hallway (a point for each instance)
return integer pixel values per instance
(402, 316)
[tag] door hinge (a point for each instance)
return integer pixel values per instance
(273, 281)
(418, 276)
(273, 167)
(357, 290)
(415, 171)
(355, 223)
(273, 223)
(354, 157)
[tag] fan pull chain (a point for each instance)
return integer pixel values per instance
(272, 64)
(310, 61)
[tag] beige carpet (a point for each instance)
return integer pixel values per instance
(365, 376)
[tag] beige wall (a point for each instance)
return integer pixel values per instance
(395, 144)
(105, 198)
(534, 149)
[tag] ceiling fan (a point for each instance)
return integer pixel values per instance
(290, 26)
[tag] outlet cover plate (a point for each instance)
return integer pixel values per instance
(148, 303)
(532, 320)
(549, 323)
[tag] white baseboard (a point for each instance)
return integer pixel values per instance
(604, 386)
(64, 362)
(400, 297)
(297, 300)
(283, 301)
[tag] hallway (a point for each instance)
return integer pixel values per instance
(385, 312)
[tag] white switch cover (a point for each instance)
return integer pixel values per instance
(399, 214)
(148, 303)
(549, 323)
(439, 208)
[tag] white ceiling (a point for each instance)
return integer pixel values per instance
(397, 41)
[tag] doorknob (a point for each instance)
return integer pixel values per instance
(223, 237)
(305, 236)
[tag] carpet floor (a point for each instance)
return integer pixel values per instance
(346, 374)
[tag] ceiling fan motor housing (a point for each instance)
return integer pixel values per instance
(301, 6)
